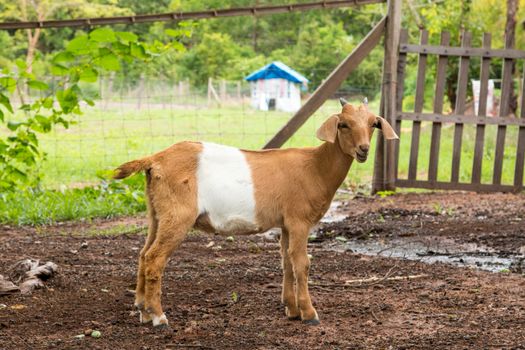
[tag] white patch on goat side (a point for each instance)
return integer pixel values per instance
(225, 189)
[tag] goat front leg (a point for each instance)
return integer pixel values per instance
(169, 237)
(298, 240)
(288, 292)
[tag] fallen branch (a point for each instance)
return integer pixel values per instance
(178, 345)
(7, 287)
(365, 282)
(30, 274)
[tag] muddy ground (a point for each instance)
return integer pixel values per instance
(227, 295)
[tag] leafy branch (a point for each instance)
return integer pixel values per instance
(84, 59)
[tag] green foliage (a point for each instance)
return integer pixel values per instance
(84, 58)
(319, 47)
(40, 207)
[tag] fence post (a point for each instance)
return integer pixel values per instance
(239, 90)
(210, 86)
(223, 90)
(384, 165)
(109, 90)
(140, 91)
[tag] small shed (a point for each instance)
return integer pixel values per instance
(276, 87)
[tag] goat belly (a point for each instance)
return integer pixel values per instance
(225, 192)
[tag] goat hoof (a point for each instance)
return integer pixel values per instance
(161, 326)
(292, 315)
(144, 317)
(312, 322)
(160, 321)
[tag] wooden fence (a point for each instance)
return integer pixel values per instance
(396, 48)
(458, 118)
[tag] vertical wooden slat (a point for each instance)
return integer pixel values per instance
(438, 109)
(418, 108)
(482, 111)
(520, 151)
(461, 96)
(392, 36)
(384, 163)
(504, 109)
(401, 65)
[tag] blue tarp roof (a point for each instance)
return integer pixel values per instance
(275, 70)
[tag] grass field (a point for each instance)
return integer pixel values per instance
(103, 139)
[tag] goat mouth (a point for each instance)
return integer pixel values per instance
(361, 158)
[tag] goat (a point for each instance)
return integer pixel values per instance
(226, 190)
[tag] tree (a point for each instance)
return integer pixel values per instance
(84, 58)
(41, 10)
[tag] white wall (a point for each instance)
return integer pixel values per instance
(287, 95)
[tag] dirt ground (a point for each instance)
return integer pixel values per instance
(226, 295)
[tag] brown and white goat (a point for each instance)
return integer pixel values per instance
(225, 190)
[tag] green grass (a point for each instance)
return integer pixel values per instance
(40, 207)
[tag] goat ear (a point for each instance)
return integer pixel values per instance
(385, 127)
(328, 131)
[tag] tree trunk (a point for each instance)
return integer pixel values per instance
(32, 42)
(254, 33)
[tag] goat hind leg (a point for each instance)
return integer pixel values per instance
(169, 237)
(140, 289)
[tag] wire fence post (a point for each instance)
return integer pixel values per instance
(223, 90)
(140, 92)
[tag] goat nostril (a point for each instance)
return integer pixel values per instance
(364, 148)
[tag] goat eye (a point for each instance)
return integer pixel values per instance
(342, 126)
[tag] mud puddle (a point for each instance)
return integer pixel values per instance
(425, 248)
(437, 249)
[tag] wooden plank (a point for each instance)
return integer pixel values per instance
(379, 176)
(329, 86)
(462, 52)
(401, 67)
(520, 163)
(418, 108)
(506, 88)
(393, 31)
(438, 185)
(482, 110)
(384, 165)
(461, 96)
(520, 151)
(460, 119)
(178, 16)
(435, 140)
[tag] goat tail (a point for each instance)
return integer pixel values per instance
(132, 167)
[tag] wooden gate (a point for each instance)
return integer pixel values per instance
(459, 117)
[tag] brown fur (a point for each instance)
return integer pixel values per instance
(293, 190)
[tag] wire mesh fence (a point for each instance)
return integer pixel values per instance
(131, 122)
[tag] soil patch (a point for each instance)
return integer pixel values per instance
(227, 295)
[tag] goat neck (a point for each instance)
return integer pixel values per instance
(333, 165)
